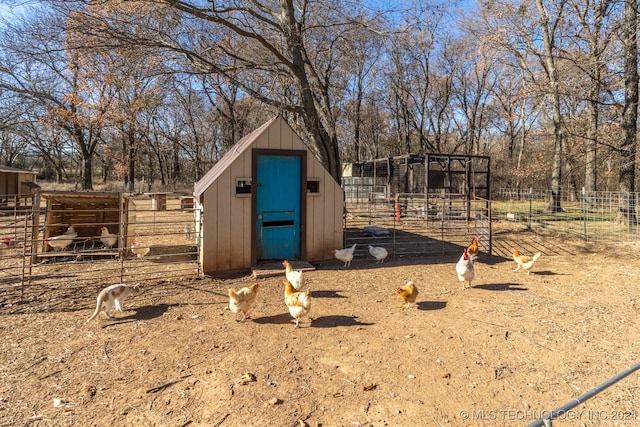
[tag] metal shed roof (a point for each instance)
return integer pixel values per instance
(10, 169)
(229, 158)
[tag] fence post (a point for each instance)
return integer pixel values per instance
(530, 201)
(584, 213)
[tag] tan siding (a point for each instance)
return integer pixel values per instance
(286, 137)
(240, 249)
(263, 140)
(324, 218)
(275, 135)
(223, 222)
(210, 229)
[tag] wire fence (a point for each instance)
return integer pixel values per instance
(36, 256)
(414, 225)
(590, 216)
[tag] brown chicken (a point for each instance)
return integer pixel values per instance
(241, 301)
(524, 261)
(299, 303)
(473, 249)
(138, 248)
(408, 293)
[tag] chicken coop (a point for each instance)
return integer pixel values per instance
(268, 199)
(87, 212)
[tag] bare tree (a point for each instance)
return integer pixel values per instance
(592, 41)
(627, 211)
(282, 53)
(38, 68)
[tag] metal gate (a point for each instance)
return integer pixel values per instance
(164, 234)
(412, 225)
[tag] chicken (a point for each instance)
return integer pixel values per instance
(408, 293)
(299, 303)
(293, 276)
(5, 242)
(62, 241)
(379, 253)
(345, 255)
(138, 248)
(465, 270)
(473, 249)
(108, 240)
(241, 301)
(524, 261)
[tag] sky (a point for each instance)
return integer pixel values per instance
(11, 9)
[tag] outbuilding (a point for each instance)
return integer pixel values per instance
(17, 186)
(267, 199)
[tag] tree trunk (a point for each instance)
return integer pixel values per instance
(131, 157)
(592, 142)
(87, 172)
(552, 73)
(626, 181)
(318, 122)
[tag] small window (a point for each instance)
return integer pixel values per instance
(243, 186)
(313, 186)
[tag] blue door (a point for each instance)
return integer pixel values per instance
(278, 207)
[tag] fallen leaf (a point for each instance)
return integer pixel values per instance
(247, 378)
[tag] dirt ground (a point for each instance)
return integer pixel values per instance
(501, 353)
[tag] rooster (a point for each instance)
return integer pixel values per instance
(465, 270)
(108, 240)
(5, 242)
(473, 249)
(408, 293)
(345, 255)
(524, 261)
(62, 241)
(379, 253)
(293, 276)
(242, 300)
(299, 303)
(139, 249)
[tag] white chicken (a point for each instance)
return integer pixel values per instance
(293, 276)
(379, 253)
(139, 249)
(299, 303)
(62, 241)
(108, 240)
(345, 255)
(465, 270)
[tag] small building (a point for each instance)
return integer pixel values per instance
(87, 212)
(17, 186)
(267, 199)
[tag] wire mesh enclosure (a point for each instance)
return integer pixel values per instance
(142, 241)
(592, 216)
(417, 205)
(415, 174)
